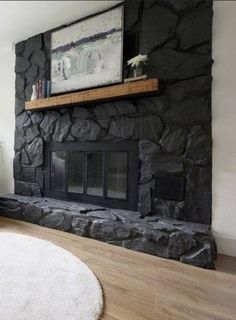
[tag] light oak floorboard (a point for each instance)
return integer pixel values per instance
(138, 286)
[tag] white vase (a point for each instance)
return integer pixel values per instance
(34, 93)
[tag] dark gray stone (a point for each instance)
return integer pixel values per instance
(19, 47)
(38, 58)
(180, 243)
(17, 166)
(113, 109)
(158, 25)
(47, 125)
(57, 220)
(62, 128)
(149, 128)
(28, 174)
(144, 199)
(24, 157)
(81, 113)
(40, 177)
(122, 128)
(31, 74)
(152, 234)
(146, 246)
(32, 213)
(147, 148)
(197, 205)
(103, 230)
(32, 44)
(22, 65)
(198, 147)
(70, 138)
(188, 112)
(174, 140)
(19, 140)
(35, 152)
(36, 117)
(168, 209)
(152, 105)
(170, 64)
(23, 121)
(131, 12)
(192, 87)
(80, 226)
(201, 257)
(31, 133)
(166, 163)
(195, 28)
(179, 5)
(19, 106)
(107, 215)
(85, 130)
(20, 85)
(12, 213)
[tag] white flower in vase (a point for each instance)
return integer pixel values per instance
(137, 64)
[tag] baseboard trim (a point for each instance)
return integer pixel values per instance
(225, 245)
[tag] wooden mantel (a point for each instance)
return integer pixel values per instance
(124, 90)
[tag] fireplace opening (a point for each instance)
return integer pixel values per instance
(104, 173)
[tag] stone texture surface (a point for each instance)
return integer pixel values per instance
(173, 129)
(191, 243)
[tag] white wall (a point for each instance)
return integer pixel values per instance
(7, 121)
(224, 126)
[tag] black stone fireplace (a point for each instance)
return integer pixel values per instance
(102, 173)
(137, 172)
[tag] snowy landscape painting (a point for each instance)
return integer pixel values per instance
(89, 53)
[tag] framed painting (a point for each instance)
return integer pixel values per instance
(88, 53)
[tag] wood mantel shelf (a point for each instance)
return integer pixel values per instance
(124, 90)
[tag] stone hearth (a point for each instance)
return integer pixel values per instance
(190, 243)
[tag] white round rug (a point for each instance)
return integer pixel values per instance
(40, 281)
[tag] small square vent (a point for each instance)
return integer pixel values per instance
(170, 187)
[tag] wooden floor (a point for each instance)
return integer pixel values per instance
(142, 287)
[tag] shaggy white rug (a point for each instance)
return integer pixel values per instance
(40, 281)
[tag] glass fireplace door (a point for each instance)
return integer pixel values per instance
(99, 175)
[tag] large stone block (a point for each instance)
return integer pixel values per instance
(198, 147)
(19, 106)
(122, 128)
(62, 128)
(158, 25)
(31, 133)
(32, 44)
(47, 125)
(148, 127)
(187, 88)
(144, 199)
(80, 226)
(152, 105)
(188, 112)
(85, 130)
(200, 256)
(169, 64)
(57, 220)
(179, 5)
(174, 140)
(195, 28)
(180, 243)
(35, 152)
(22, 65)
(32, 213)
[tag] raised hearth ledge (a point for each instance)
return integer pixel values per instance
(190, 243)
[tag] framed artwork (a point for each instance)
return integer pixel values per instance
(88, 53)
